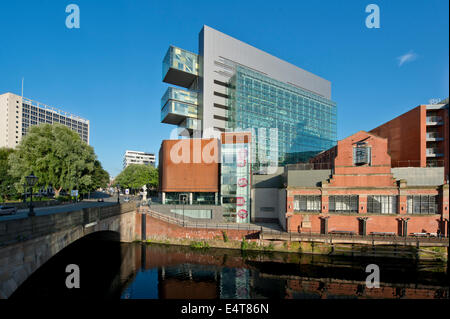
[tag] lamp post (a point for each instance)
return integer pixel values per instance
(31, 181)
(118, 194)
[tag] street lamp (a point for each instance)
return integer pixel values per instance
(118, 194)
(31, 181)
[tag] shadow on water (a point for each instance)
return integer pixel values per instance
(111, 270)
(101, 259)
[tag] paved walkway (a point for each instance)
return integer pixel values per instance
(266, 227)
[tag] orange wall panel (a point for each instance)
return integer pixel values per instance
(189, 165)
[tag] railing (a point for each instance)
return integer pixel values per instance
(433, 151)
(433, 135)
(201, 225)
(309, 166)
(434, 119)
(417, 163)
(334, 235)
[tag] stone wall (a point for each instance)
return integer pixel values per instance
(27, 243)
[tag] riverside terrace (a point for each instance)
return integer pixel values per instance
(27, 243)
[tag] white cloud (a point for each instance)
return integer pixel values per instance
(408, 57)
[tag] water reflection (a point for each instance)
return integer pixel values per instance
(181, 272)
(110, 270)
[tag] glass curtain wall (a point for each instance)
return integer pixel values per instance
(304, 122)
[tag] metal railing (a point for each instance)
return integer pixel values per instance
(200, 225)
(434, 135)
(433, 151)
(309, 166)
(309, 236)
(434, 119)
(417, 163)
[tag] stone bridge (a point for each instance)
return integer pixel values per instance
(27, 243)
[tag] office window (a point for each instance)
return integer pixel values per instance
(422, 204)
(382, 204)
(343, 204)
(307, 203)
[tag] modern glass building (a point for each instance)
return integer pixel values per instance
(232, 86)
(289, 124)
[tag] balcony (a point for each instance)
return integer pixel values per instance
(434, 152)
(180, 67)
(177, 105)
(434, 120)
(434, 136)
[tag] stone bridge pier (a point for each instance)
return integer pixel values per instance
(27, 243)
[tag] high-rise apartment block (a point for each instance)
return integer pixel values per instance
(232, 86)
(137, 157)
(18, 113)
(419, 137)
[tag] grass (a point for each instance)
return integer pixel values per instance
(199, 245)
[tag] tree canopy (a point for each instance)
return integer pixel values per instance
(58, 157)
(136, 176)
(7, 181)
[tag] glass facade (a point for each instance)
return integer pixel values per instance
(178, 102)
(180, 59)
(235, 182)
(303, 123)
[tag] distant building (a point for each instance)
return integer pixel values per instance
(419, 137)
(137, 157)
(18, 113)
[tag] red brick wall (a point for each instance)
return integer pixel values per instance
(156, 228)
(406, 136)
(377, 174)
(375, 223)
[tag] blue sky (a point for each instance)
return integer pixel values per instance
(109, 70)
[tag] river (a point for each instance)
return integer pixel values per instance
(111, 270)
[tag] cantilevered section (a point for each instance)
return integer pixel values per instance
(177, 105)
(180, 67)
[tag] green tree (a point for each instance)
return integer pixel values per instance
(56, 155)
(100, 177)
(7, 181)
(136, 176)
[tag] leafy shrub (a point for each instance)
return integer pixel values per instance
(225, 236)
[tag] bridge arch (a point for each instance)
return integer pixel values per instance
(29, 243)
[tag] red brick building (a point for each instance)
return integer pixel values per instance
(419, 137)
(363, 194)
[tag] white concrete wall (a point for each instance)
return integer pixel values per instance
(265, 203)
(420, 176)
(10, 120)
